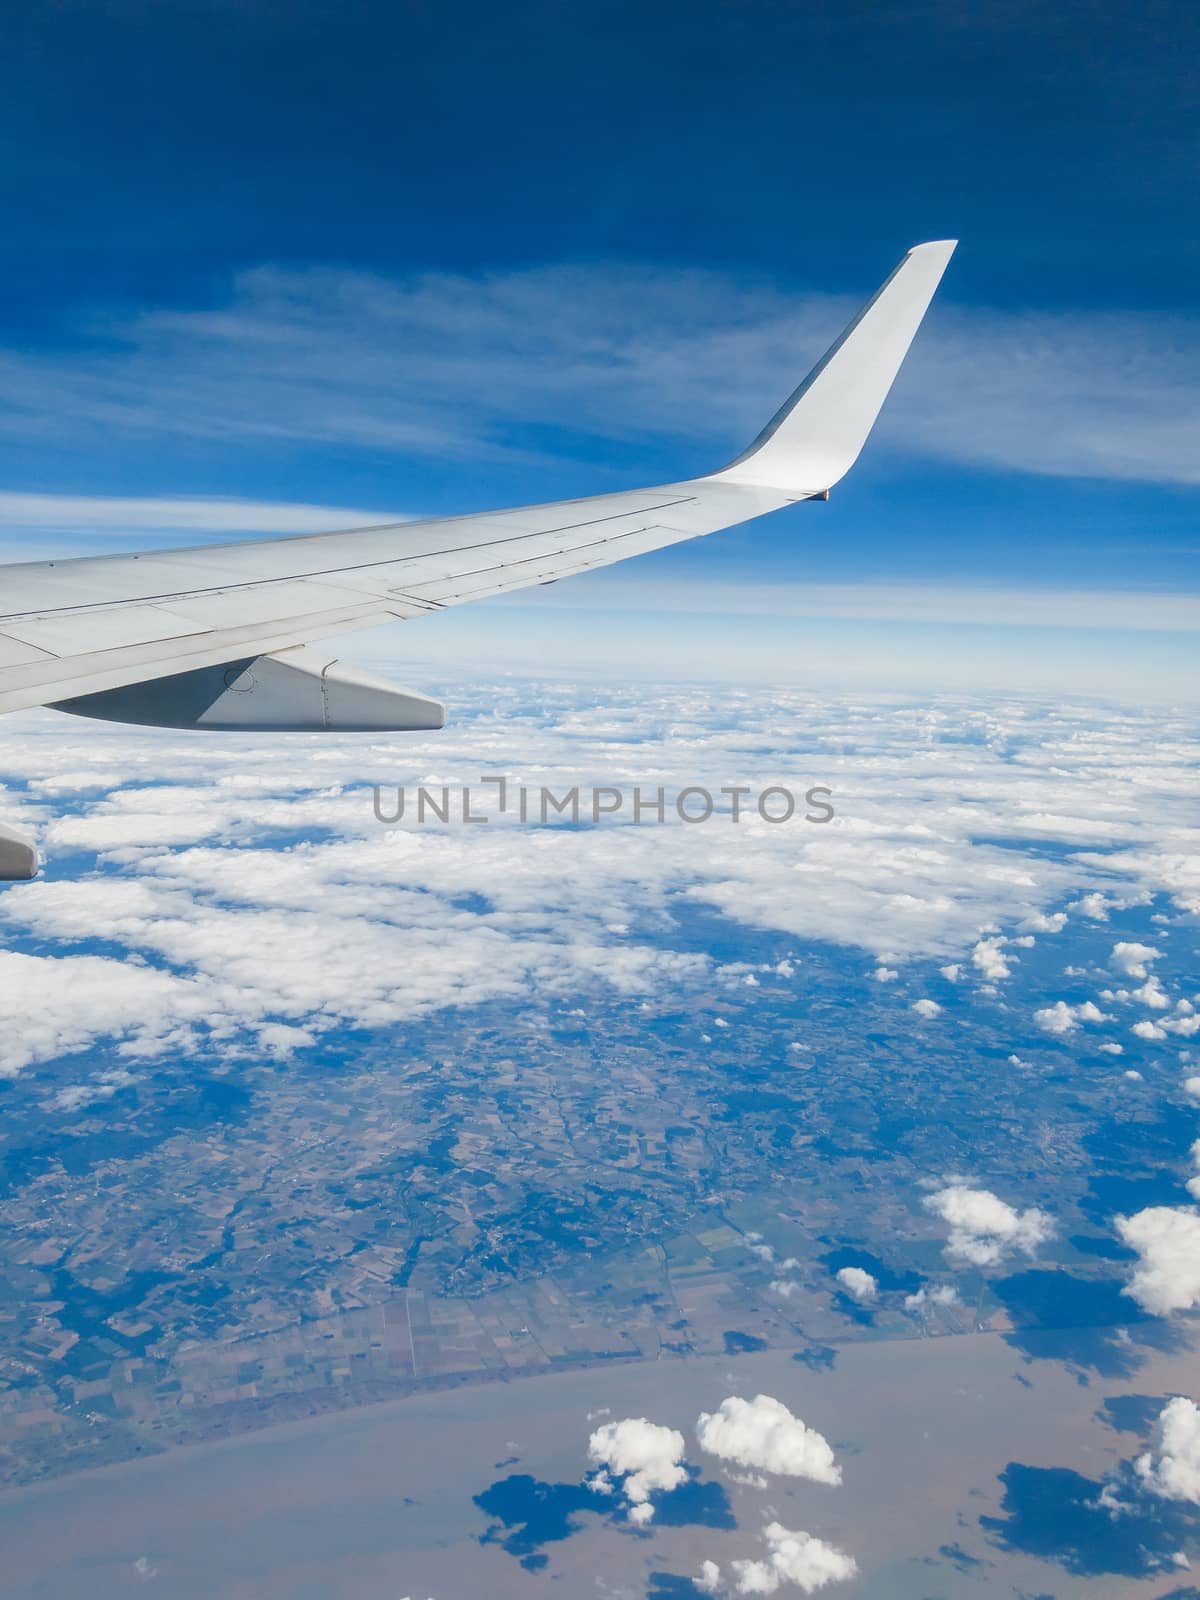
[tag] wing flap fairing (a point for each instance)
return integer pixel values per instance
(295, 691)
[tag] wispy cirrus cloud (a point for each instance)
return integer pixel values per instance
(166, 515)
(541, 360)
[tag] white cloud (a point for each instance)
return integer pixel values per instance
(858, 1283)
(78, 1096)
(941, 1294)
(1193, 1186)
(1057, 1019)
(1131, 958)
(1175, 1475)
(763, 1435)
(989, 958)
(56, 1005)
(1060, 1018)
(984, 1228)
(1094, 906)
(927, 1008)
(1167, 1240)
(792, 1558)
(646, 1457)
(1089, 1011)
(1152, 994)
(296, 943)
(231, 925)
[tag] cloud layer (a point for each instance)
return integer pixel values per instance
(253, 900)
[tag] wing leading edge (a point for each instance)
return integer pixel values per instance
(76, 630)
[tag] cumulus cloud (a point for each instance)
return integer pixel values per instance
(708, 1579)
(1094, 906)
(858, 1283)
(1040, 922)
(1175, 1472)
(639, 1457)
(927, 1008)
(990, 960)
(1089, 1011)
(1152, 994)
(984, 1228)
(1131, 958)
(1060, 1018)
(763, 1435)
(942, 1294)
(1167, 1241)
(792, 1558)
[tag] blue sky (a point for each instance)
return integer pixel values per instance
(420, 259)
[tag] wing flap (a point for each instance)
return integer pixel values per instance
(72, 633)
(13, 653)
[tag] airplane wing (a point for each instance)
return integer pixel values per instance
(219, 636)
(213, 637)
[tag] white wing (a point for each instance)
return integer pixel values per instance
(180, 636)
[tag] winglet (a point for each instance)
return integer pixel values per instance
(815, 437)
